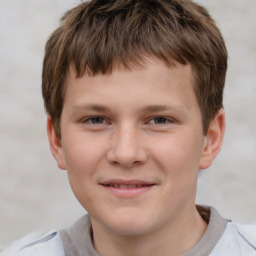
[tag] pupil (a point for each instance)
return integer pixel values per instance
(160, 120)
(97, 120)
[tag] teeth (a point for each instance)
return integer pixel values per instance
(126, 186)
(131, 186)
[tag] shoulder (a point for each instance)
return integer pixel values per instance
(247, 233)
(237, 240)
(49, 244)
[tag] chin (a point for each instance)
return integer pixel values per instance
(130, 229)
(130, 224)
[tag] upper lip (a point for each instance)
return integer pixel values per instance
(126, 182)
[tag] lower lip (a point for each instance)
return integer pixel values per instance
(128, 192)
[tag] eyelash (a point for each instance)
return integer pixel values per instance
(166, 119)
(162, 118)
(90, 120)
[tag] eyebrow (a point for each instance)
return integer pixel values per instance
(146, 108)
(156, 108)
(94, 107)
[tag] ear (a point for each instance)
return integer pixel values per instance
(55, 144)
(213, 140)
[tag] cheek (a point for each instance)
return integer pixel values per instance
(179, 158)
(179, 164)
(181, 153)
(82, 160)
(82, 155)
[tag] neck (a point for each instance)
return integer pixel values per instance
(172, 239)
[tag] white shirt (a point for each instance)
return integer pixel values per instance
(222, 238)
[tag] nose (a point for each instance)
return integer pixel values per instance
(126, 148)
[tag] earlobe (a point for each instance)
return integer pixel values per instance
(213, 140)
(55, 144)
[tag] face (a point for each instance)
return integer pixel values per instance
(132, 143)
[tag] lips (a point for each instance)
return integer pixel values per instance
(127, 188)
(127, 183)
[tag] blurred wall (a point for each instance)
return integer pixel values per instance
(35, 195)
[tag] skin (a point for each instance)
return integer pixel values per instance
(132, 127)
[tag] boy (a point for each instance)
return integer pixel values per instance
(133, 92)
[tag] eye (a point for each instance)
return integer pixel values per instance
(95, 120)
(159, 120)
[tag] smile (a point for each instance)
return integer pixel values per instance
(127, 186)
(127, 189)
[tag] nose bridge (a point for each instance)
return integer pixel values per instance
(126, 148)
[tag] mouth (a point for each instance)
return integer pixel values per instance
(115, 185)
(127, 188)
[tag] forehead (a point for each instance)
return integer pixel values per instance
(148, 65)
(154, 84)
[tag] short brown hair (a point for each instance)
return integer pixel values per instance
(96, 35)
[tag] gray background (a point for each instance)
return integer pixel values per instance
(35, 195)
